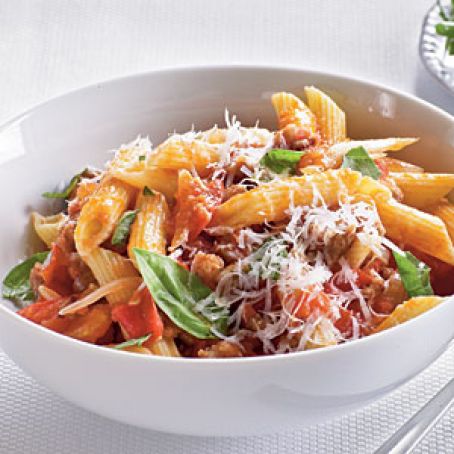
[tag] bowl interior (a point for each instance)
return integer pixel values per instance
(50, 143)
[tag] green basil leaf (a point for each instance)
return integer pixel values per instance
(358, 159)
(147, 191)
(180, 294)
(121, 232)
(279, 160)
(415, 275)
(67, 191)
(445, 29)
(16, 285)
(133, 342)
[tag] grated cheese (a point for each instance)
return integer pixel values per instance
(295, 257)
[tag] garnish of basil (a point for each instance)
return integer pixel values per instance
(67, 191)
(358, 159)
(133, 342)
(16, 285)
(147, 191)
(415, 275)
(280, 161)
(181, 295)
(121, 232)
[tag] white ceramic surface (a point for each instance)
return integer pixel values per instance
(206, 397)
(432, 48)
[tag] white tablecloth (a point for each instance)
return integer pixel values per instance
(48, 47)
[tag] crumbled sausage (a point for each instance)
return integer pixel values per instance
(208, 267)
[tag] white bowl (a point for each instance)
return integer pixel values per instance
(193, 396)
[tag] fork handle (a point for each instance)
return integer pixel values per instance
(412, 432)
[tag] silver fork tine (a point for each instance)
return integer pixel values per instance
(414, 430)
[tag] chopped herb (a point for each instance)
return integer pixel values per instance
(142, 157)
(415, 275)
(67, 191)
(133, 342)
(16, 285)
(280, 161)
(358, 159)
(121, 232)
(181, 295)
(446, 27)
(147, 191)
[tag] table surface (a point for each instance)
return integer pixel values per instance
(48, 47)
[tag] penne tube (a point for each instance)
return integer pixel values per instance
(270, 202)
(176, 153)
(252, 137)
(48, 227)
(375, 147)
(357, 254)
(131, 156)
(137, 349)
(118, 285)
(290, 110)
(108, 266)
(164, 347)
(409, 226)
(100, 215)
(164, 181)
(421, 190)
(149, 228)
(396, 165)
(445, 211)
(409, 309)
(330, 118)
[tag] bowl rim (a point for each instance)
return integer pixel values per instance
(265, 359)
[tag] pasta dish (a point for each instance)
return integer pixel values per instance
(241, 241)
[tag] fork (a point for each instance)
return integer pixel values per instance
(414, 430)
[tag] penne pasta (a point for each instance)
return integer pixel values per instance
(271, 201)
(164, 347)
(149, 228)
(252, 137)
(290, 110)
(100, 215)
(48, 227)
(409, 226)
(357, 254)
(108, 266)
(176, 153)
(396, 165)
(111, 287)
(421, 190)
(330, 118)
(137, 349)
(408, 310)
(375, 147)
(131, 156)
(445, 211)
(243, 241)
(164, 181)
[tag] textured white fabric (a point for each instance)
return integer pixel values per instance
(48, 47)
